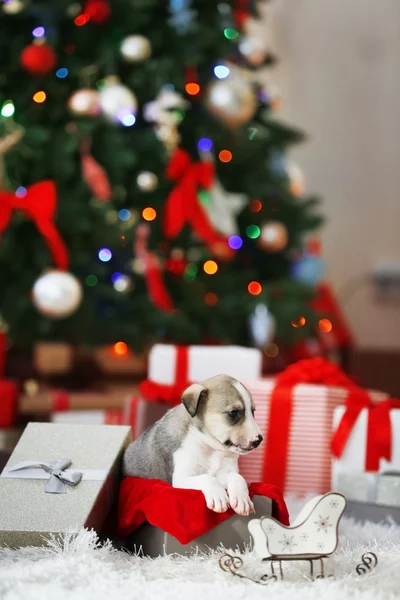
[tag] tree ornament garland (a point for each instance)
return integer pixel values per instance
(84, 102)
(98, 11)
(117, 101)
(57, 294)
(273, 236)
(135, 48)
(38, 59)
(232, 100)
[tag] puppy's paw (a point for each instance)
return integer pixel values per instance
(216, 497)
(241, 504)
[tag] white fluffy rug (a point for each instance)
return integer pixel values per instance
(82, 569)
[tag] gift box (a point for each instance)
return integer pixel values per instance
(90, 417)
(140, 414)
(53, 357)
(375, 488)
(294, 412)
(9, 438)
(59, 478)
(369, 440)
(46, 401)
(8, 389)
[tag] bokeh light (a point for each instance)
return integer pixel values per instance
(62, 73)
(115, 277)
(225, 156)
(235, 242)
(253, 231)
(39, 97)
(271, 350)
(81, 20)
(127, 119)
(38, 32)
(8, 109)
(210, 267)
(204, 144)
(255, 206)
(192, 88)
(231, 34)
(190, 272)
(120, 348)
(149, 214)
(254, 288)
(124, 214)
(325, 325)
(20, 192)
(105, 254)
(221, 71)
(211, 299)
(300, 322)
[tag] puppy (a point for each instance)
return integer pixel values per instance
(197, 444)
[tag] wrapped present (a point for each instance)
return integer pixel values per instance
(294, 412)
(366, 439)
(9, 438)
(90, 417)
(53, 357)
(376, 488)
(59, 478)
(46, 400)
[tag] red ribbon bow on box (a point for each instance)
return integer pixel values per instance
(182, 204)
(171, 394)
(39, 204)
(321, 371)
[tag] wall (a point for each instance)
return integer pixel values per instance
(340, 79)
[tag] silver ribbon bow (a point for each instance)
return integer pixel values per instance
(58, 477)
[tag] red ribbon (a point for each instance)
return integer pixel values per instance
(182, 205)
(39, 204)
(171, 394)
(321, 371)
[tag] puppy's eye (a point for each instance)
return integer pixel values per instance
(233, 414)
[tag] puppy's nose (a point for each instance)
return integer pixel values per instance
(255, 443)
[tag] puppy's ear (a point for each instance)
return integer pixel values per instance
(191, 397)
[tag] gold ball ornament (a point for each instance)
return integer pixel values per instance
(117, 101)
(273, 236)
(232, 100)
(147, 181)
(57, 294)
(135, 48)
(84, 102)
(253, 50)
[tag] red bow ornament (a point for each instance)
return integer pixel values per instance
(38, 204)
(183, 206)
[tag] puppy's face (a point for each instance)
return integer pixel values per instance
(223, 408)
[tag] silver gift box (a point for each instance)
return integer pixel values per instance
(39, 502)
(375, 488)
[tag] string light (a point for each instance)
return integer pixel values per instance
(235, 242)
(271, 350)
(211, 299)
(62, 73)
(38, 32)
(105, 255)
(204, 197)
(204, 144)
(192, 88)
(20, 192)
(120, 348)
(122, 283)
(127, 119)
(124, 214)
(149, 214)
(39, 97)
(91, 280)
(299, 323)
(253, 231)
(231, 34)
(81, 20)
(225, 156)
(210, 267)
(8, 109)
(221, 71)
(255, 288)
(190, 272)
(255, 206)
(325, 325)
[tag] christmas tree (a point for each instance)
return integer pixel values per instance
(146, 193)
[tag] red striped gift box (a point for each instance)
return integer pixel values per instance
(308, 456)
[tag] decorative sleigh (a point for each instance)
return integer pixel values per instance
(312, 537)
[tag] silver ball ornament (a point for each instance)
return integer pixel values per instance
(117, 101)
(84, 102)
(147, 181)
(57, 294)
(232, 100)
(135, 48)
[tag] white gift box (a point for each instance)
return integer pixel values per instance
(241, 363)
(354, 454)
(89, 417)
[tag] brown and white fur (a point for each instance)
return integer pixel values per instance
(197, 444)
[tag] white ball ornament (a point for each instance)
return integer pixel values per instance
(117, 101)
(57, 294)
(232, 100)
(147, 181)
(84, 102)
(135, 48)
